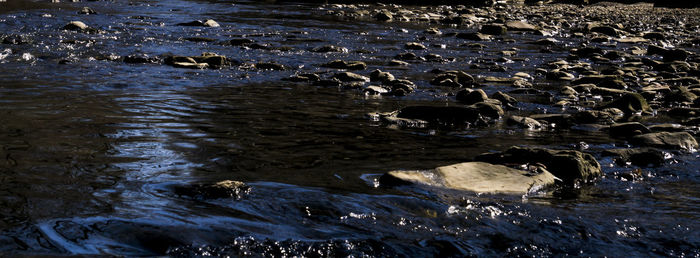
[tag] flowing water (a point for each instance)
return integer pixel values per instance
(92, 149)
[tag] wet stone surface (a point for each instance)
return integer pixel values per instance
(264, 128)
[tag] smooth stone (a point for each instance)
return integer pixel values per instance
(469, 97)
(520, 26)
(476, 177)
(524, 122)
(637, 156)
(378, 75)
(628, 129)
(223, 189)
(473, 36)
(350, 77)
(414, 46)
(190, 65)
(75, 25)
(329, 48)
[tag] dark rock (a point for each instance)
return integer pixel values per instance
(384, 15)
(675, 55)
(493, 29)
(223, 189)
(270, 66)
(199, 39)
(449, 116)
(587, 51)
(199, 23)
(666, 140)
(630, 103)
(87, 10)
(375, 90)
(567, 165)
(605, 116)
(333, 82)
(680, 95)
(489, 110)
(329, 48)
(607, 30)
(655, 50)
(307, 77)
(654, 36)
(140, 59)
(16, 40)
(641, 157)
(340, 64)
(456, 79)
(504, 98)
(627, 129)
(406, 56)
(469, 97)
(378, 75)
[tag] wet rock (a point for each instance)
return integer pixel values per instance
(223, 189)
(414, 46)
(330, 48)
(375, 90)
(567, 165)
(493, 29)
(199, 23)
(520, 26)
(641, 157)
(630, 103)
(675, 55)
(680, 95)
(607, 30)
(654, 36)
(469, 97)
(384, 15)
(397, 63)
(401, 87)
(199, 39)
(270, 66)
(190, 65)
(333, 82)
(557, 74)
(504, 98)
(473, 36)
(350, 77)
(628, 129)
(340, 64)
(87, 10)
(477, 177)
(655, 50)
(16, 40)
(524, 122)
(406, 56)
(241, 42)
(667, 140)
(605, 116)
(306, 77)
(378, 75)
(80, 27)
(141, 59)
(455, 79)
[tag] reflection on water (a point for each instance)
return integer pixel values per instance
(92, 149)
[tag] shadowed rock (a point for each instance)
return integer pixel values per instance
(666, 140)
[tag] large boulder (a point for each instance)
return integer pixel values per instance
(667, 140)
(567, 165)
(477, 177)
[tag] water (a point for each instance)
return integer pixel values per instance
(92, 149)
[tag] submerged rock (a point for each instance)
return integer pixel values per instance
(223, 189)
(568, 165)
(667, 140)
(476, 177)
(329, 48)
(340, 64)
(638, 156)
(199, 23)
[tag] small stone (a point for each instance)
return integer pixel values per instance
(474, 36)
(223, 189)
(378, 75)
(414, 46)
(340, 64)
(350, 77)
(270, 66)
(87, 10)
(524, 122)
(76, 26)
(330, 48)
(397, 63)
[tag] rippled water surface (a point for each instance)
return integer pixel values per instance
(92, 149)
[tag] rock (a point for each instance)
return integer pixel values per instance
(406, 56)
(641, 157)
(680, 95)
(140, 59)
(469, 97)
(270, 66)
(375, 90)
(190, 65)
(87, 10)
(330, 48)
(473, 36)
(607, 30)
(378, 75)
(630, 103)
(350, 77)
(654, 36)
(462, 79)
(199, 39)
(477, 177)
(199, 23)
(223, 189)
(414, 46)
(16, 40)
(397, 63)
(675, 55)
(75, 25)
(567, 165)
(488, 110)
(655, 50)
(628, 129)
(667, 140)
(605, 116)
(384, 15)
(493, 29)
(340, 64)
(520, 26)
(524, 122)
(307, 77)
(504, 98)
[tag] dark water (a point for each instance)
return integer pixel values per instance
(92, 149)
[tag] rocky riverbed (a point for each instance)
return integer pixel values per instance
(273, 129)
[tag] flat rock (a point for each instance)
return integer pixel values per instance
(476, 177)
(520, 26)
